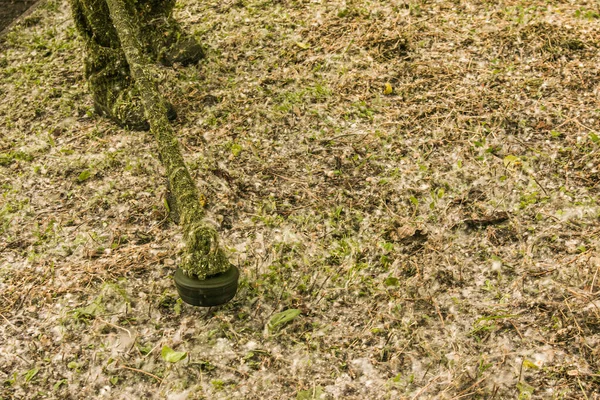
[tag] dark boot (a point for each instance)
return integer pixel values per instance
(114, 92)
(166, 41)
(177, 46)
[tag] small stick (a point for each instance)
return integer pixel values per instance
(7, 321)
(437, 309)
(142, 371)
(516, 329)
(424, 388)
(114, 326)
(462, 394)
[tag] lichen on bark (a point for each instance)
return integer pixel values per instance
(202, 254)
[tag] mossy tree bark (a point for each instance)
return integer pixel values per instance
(202, 256)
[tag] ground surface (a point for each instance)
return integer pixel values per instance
(11, 9)
(420, 180)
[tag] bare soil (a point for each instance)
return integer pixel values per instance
(419, 180)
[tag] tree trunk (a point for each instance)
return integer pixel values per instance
(202, 256)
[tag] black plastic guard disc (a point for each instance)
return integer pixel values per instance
(212, 291)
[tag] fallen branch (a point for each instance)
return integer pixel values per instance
(202, 255)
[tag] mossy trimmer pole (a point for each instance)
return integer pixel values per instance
(202, 256)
